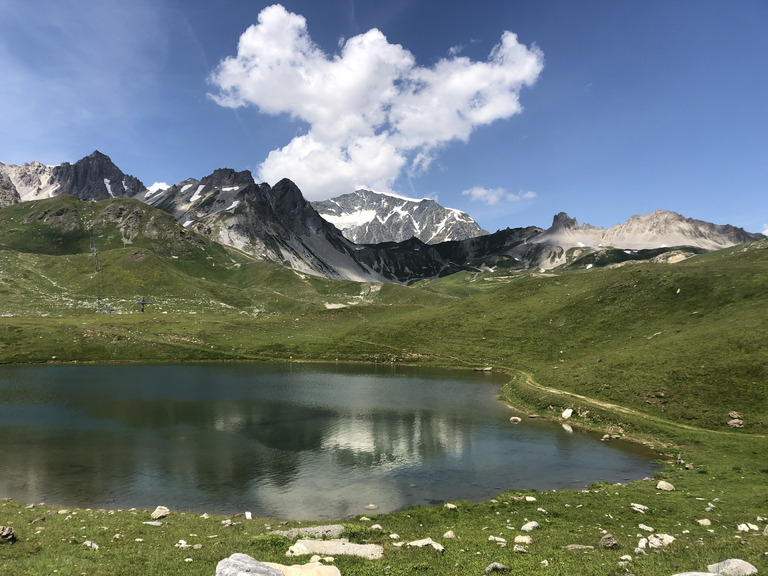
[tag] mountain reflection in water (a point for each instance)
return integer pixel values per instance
(286, 441)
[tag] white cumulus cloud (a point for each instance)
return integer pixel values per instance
(765, 230)
(492, 196)
(371, 111)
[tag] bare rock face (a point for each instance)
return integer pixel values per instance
(8, 193)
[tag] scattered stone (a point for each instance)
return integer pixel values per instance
(160, 512)
(544, 563)
(659, 540)
(529, 526)
(638, 508)
(567, 413)
(605, 437)
(704, 522)
(449, 534)
(6, 534)
(364, 519)
(693, 574)
(91, 545)
(496, 567)
(646, 528)
(736, 423)
(689, 466)
(520, 549)
(523, 540)
(734, 415)
(248, 515)
(626, 558)
(316, 558)
(182, 544)
(153, 523)
(765, 531)
(732, 567)
(493, 538)
(664, 485)
(608, 541)
(530, 499)
(450, 506)
(577, 547)
(395, 536)
(377, 527)
(747, 527)
(515, 420)
(335, 547)
(427, 542)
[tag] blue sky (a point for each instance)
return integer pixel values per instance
(509, 110)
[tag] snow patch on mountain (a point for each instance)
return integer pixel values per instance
(369, 217)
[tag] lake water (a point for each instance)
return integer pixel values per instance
(285, 441)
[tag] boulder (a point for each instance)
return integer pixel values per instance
(660, 540)
(734, 415)
(664, 485)
(515, 419)
(732, 567)
(244, 565)
(529, 526)
(311, 569)
(6, 534)
(160, 512)
(608, 541)
(496, 567)
(736, 423)
(567, 413)
(335, 547)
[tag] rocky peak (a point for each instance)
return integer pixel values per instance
(95, 177)
(562, 221)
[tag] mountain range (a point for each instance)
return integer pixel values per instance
(385, 238)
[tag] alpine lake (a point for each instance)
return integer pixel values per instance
(298, 441)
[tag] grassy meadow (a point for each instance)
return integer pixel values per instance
(652, 352)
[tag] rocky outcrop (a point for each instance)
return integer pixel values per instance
(8, 193)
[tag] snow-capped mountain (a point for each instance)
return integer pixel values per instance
(368, 217)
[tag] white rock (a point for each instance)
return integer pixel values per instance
(335, 547)
(515, 419)
(530, 499)
(638, 508)
(248, 516)
(704, 522)
(660, 540)
(567, 413)
(732, 567)
(160, 512)
(644, 527)
(376, 527)
(529, 526)
(523, 540)
(449, 534)
(493, 538)
(153, 523)
(426, 542)
(664, 485)
(742, 528)
(395, 536)
(450, 506)
(752, 527)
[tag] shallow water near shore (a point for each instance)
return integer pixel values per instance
(300, 441)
